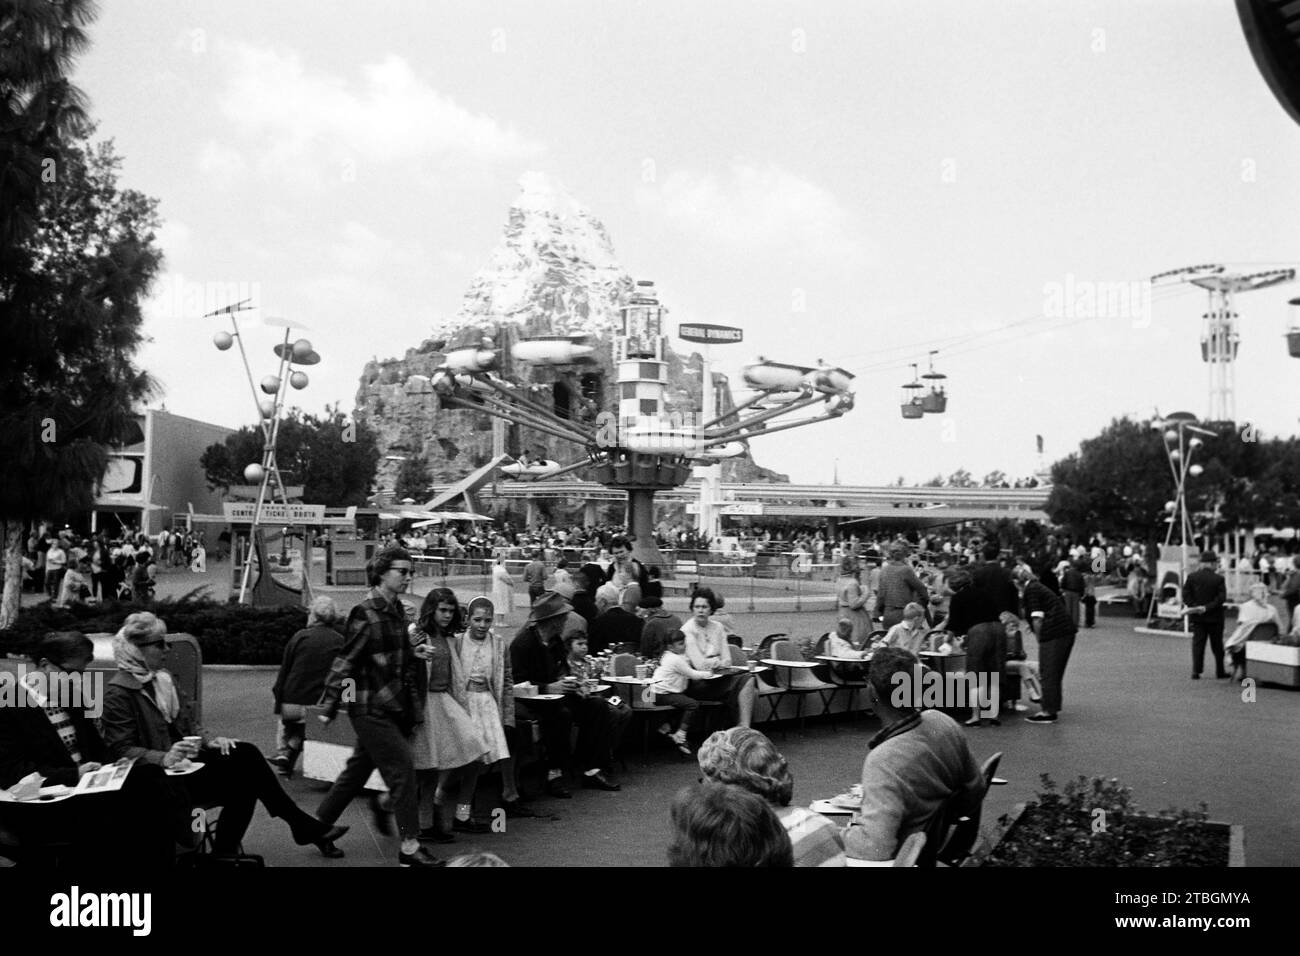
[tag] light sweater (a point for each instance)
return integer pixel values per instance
(674, 673)
(705, 644)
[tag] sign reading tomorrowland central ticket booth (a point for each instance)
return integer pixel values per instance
(243, 511)
(710, 334)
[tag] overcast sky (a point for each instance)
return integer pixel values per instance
(855, 182)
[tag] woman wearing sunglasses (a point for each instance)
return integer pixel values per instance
(147, 718)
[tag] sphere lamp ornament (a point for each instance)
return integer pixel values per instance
(223, 340)
(301, 350)
(298, 380)
(271, 384)
(267, 407)
(1171, 435)
(1195, 470)
(1171, 506)
(1175, 454)
(1196, 443)
(254, 473)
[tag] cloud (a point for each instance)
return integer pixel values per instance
(757, 206)
(296, 118)
(221, 164)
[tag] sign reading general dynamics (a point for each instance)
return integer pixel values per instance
(710, 334)
(274, 514)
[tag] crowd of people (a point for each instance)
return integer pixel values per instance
(69, 567)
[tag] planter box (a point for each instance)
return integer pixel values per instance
(1021, 813)
(1275, 663)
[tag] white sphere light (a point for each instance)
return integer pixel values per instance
(1176, 454)
(1170, 506)
(1195, 470)
(1196, 443)
(267, 407)
(298, 379)
(223, 340)
(1171, 435)
(271, 384)
(301, 349)
(253, 474)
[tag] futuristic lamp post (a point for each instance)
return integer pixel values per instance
(1179, 449)
(270, 413)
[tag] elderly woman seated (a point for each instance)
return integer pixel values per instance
(746, 758)
(146, 718)
(1255, 612)
(50, 734)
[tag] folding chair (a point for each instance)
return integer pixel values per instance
(799, 680)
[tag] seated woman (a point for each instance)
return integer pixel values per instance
(51, 735)
(746, 758)
(147, 719)
(1258, 610)
(841, 643)
(716, 825)
(707, 650)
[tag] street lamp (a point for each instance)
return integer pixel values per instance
(1181, 444)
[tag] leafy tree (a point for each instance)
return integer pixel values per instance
(412, 479)
(70, 315)
(994, 479)
(333, 458)
(961, 478)
(935, 482)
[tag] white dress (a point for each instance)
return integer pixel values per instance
(477, 660)
(503, 591)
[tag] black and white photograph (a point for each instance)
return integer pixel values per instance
(651, 435)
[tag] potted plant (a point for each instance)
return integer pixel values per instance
(1095, 823)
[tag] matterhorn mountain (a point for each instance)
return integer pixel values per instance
(553, 273)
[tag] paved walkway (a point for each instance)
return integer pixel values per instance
(1131, 712)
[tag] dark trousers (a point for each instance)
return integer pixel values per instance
(1090, 611)
(596, 722)
(134, 828)
(381, 745)
(687, 705)
(237, 782)
(1072, 600)
(1200, 631)
(1053, 655)
(534, 592)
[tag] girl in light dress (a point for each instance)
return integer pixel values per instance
(470, 703)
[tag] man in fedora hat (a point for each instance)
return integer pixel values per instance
(1204, 595)
(537, 657)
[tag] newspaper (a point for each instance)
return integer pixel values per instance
(106, 779)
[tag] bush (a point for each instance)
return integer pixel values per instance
(1095, 823)
(227, 633)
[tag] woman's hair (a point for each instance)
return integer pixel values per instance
(431, 601)
(58, 646)
(746, 758)
(718, 825)
(143, 626)
(959, 579)
(323, 612)
(848, 564)
(381, 563)
(708, 595)
(1259, 590)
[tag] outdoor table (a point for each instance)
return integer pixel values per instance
(829, 659)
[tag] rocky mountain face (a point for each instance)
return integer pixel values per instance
(554, 273)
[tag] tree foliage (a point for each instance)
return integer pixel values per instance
(412, 480)
(333, 458)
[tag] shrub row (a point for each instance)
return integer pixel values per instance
(227, 633)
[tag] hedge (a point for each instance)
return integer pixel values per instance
(227, 633)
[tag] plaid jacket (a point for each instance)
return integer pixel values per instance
(376, 673)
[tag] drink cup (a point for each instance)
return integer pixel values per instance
(642, 671)
(194, 743)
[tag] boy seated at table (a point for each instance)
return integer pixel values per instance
(839, 643)
(669, 683)
(909, 633)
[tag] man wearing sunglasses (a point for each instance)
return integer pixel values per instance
(384, 685)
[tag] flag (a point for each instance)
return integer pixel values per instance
(1040, 444)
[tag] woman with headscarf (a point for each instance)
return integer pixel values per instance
(448, 748)
(146, 718)
(1258, 610)
(853, 600)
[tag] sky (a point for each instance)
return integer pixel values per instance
(847, 181)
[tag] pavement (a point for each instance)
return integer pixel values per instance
(1130, 712)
